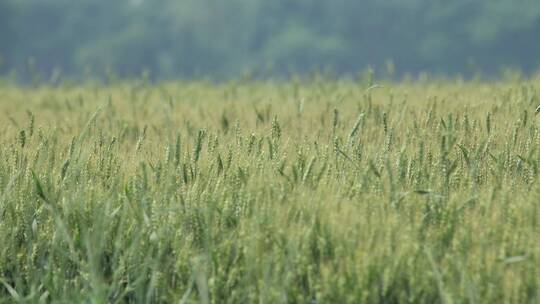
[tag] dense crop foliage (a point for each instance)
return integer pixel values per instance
(305, 192)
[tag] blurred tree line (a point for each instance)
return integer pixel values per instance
(174, 38)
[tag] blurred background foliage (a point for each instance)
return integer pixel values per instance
(217, 38)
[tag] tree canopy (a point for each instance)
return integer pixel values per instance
(173, 38)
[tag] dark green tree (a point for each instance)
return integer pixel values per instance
(172, 38)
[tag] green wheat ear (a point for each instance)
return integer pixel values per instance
(358, 199)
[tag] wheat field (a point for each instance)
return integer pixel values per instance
(301, 191)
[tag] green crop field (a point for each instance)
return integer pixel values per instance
(306, 191)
